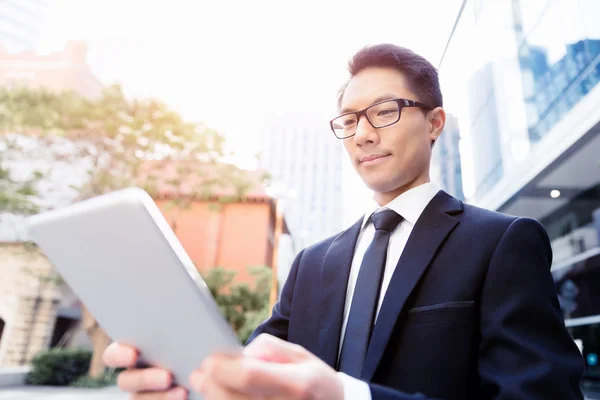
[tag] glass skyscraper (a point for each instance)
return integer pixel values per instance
(522, 78)
(305, 161)
(446, 169)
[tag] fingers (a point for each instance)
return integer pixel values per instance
(273, 349)
(144, 380)
(143, 384)
(119, 356)
(248, 375)
(213, 390)
(177, 393)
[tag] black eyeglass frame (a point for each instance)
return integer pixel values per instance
(402, 103)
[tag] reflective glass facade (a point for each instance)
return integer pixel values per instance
(513, 70)
(522, 78)
(559, 57)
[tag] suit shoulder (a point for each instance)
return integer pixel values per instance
(311, 256)
(498, 220)
(322, 245)
(320, 248)
(485, 216)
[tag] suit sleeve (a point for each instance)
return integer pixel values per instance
(525, 351)
(277, 323)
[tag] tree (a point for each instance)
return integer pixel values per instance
(121, 142)
(15, 193)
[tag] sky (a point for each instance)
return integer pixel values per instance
(234, 64)
(231, 64)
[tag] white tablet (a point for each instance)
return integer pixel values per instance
(121, 258)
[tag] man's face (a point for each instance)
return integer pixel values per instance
(395, 158)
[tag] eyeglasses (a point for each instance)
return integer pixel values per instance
(379, 115)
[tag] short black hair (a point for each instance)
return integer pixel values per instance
(421, 75)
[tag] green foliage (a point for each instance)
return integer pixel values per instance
(59, 367)
(15, 195)
(125, 141)
(108, 379)
(244, 306)
(39, 110)
(253, 319)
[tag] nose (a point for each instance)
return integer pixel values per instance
(365, 133)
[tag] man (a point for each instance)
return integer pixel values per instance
(424, 297)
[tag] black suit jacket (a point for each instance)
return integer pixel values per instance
(471, 311)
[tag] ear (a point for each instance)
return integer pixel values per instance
(437, 121)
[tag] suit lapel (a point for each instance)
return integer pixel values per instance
(335, 272)
(428, 234)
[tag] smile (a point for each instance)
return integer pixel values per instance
(374, 159)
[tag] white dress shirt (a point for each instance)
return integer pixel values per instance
(410, 206)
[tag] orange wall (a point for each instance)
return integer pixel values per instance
(233, 238)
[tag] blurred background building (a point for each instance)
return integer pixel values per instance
(446, 170)
(36, 312)
(21, 24)
(527, 98)
(305, 163)
(66, 70)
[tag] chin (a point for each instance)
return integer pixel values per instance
(381, 186)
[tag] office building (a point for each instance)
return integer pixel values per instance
(527, 99)
(304, 160)
(66, 70)
(446, 170)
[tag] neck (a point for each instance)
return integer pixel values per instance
(384, 198)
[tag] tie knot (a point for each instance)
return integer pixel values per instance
(386, 220)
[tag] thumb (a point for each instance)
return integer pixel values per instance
(272, 349)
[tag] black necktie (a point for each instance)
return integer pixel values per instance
(366, 295)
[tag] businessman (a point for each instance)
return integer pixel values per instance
(424, 297)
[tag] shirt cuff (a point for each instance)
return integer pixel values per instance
(354, 389)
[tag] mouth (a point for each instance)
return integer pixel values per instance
(372, 159)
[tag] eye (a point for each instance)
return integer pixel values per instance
(386, 112)
(348, 121)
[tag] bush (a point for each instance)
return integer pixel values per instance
(59, 367)
(253, 320)
(108, 379)
(243, 306)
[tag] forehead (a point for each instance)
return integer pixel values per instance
(374, 84)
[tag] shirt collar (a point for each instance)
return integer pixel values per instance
(409, 205)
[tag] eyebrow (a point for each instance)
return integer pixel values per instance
(377, 100)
